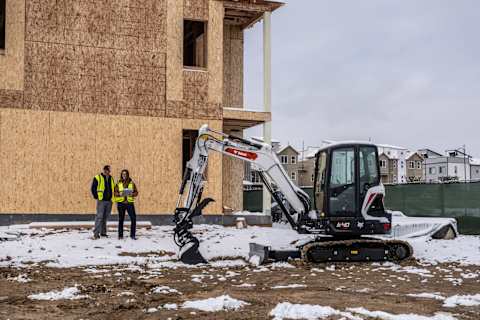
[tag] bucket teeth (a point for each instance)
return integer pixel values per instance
(190, 254)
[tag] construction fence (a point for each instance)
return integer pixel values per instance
(458, 200)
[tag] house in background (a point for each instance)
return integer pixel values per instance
(415, 172)
(288, 157)
(306, 168)
(454, 165)
(392, 163)
(474, 169)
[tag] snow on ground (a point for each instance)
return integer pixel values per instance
(462, 300)
(463, 249)
(164, 290)
(71, 293)
(290, 286)
(287, 310)
(228, 246)
(389, 316)
(427, 295)
(224, 302)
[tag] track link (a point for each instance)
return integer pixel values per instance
(356, 250)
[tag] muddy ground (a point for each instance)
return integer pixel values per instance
(117, 293)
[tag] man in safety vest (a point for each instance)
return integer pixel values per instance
(103, 191)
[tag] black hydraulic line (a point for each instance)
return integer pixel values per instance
(279, 201)
(184, 180)
(247, 142)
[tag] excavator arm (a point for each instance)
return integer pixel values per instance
(270, 170)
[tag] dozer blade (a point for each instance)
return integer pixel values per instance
(189, 254)
(266, 254)
(260, 251)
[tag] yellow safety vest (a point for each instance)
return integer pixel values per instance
(130, 199)
(101, 186)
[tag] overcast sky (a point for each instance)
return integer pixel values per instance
(402, 72)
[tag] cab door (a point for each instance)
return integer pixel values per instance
(320, 181)
(342, 186)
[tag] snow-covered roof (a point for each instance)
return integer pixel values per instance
(475, 161)
(283, 148)
(310, 152)
(389, 146)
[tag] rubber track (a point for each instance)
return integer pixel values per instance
(346, 243)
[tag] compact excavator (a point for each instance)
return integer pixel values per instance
(344, 216)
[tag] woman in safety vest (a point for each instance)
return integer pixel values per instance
(125, 193)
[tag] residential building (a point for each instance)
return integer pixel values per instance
(453, 166)
(288, 157)
(125, 83)
(393, 167)
(414, 164)
(306, 168)
(474, 169)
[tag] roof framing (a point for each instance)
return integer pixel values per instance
(245, 13)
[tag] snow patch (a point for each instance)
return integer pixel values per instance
(426, 295)
(220, 303)
(287, 310)
(462, 300)
(164, 290)
(71, 293)
(290, 286)
(389, 316)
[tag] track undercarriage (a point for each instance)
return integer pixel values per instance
(322, 250)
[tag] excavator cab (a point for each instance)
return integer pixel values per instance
(348, 192)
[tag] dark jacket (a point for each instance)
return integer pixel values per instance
(107, 193)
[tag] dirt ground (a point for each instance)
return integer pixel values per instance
(341, 286)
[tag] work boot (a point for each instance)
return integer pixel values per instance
(95, 237)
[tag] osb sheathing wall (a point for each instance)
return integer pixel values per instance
(95, 60)
(12, 58)
(102, 57)
(233, 66)
(233, 169)
(49, 159)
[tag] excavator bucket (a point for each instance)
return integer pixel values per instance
(189, 254)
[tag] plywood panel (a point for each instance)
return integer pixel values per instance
(35, 160)
(174, 75)
(12, 60)
(57, 174)
(215, 51)
(7, 160)
(80, 160)
(61, 152)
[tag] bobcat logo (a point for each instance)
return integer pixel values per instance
(343, 225)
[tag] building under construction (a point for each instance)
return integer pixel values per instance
(125, 83)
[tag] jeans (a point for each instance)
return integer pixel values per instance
(104, 208)
(130, 208)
